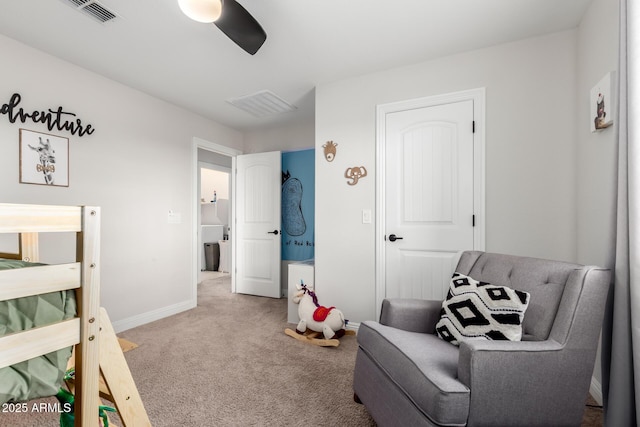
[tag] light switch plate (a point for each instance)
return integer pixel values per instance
(174, 217)
(366, 216)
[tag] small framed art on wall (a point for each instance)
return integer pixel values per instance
(44, 159)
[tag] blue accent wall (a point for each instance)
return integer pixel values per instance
(298, 208)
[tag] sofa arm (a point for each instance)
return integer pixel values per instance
(414, 315)
(487, 355)
(524, 376)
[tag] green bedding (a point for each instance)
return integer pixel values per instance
(40, 376)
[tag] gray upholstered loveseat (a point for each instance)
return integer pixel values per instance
(407, 376)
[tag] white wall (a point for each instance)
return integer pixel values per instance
(596, 152)
(296, 136)
(530, 157)
(136, 166)
(214, 180)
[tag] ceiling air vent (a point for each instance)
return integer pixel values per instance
(263, 103)
(93, 9)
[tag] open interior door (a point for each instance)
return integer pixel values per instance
(258, 192)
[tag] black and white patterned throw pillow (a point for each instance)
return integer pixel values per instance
(480, 310)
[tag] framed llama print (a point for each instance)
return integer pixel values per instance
(44, 159)
(601, 107)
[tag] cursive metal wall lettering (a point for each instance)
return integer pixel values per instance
(54, 119)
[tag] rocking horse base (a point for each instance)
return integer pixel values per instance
(311, 337)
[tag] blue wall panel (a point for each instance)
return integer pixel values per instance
(298, 195)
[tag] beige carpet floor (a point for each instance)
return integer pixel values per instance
(229, 363)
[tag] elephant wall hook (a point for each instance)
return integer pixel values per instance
(354, 174)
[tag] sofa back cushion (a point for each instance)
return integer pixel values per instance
(544, 280)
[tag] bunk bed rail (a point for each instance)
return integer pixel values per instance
(20, 283)
(39, 218)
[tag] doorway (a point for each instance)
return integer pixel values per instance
(215, 219)
(216, 157)
(430, 189)
(253, 260)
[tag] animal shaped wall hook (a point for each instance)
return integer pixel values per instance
(354, 174)
(330, 150)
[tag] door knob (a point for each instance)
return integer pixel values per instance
(393, 238)
(273, 232)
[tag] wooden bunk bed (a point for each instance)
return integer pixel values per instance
(100, 366)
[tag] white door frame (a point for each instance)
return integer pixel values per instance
(195, 199)
(478, 98)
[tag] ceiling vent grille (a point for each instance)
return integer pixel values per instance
(261, 104)
(93, 9)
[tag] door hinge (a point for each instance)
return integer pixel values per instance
(473, 126)
(473, 220)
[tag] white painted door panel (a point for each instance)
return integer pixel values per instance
(258, 206)
(429, 197)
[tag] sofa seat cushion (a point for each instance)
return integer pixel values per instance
(423, 366)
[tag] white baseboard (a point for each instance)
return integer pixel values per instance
(596, 390)
(151, 316)
(353, 326)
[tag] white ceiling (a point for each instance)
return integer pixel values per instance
(154, 48)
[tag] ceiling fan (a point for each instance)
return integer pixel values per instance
(231, 18)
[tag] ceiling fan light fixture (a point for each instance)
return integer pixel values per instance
(205, 11)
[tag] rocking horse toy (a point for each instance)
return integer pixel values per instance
(316, 319)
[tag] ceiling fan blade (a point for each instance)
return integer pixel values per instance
(240, 26)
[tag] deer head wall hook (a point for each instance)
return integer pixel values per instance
(330, 150)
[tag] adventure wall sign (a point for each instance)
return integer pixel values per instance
(54, 119)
